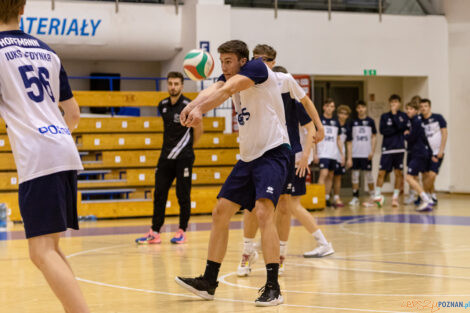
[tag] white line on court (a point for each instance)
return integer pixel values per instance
(196, 297)
(223, 280)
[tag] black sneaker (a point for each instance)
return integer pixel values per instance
(328, 203)
(199, 286)
(270, 296)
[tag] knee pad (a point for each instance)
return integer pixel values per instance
(369, 177)
(355, 176)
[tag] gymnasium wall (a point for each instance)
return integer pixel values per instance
(458, 17)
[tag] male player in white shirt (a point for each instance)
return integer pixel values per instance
(289, 201)
(257, 180)
(33, 84)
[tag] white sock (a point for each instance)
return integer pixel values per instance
(248, 245)
(425, 197)
(396, 193)
(336, 198)
(283, 246)
(434, 195)
(371, 193)
(378, 191)
(327, 197)
(318, 235)
(412, 193)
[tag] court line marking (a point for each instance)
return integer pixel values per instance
(228, 300)
(223, 280)
(196, 297)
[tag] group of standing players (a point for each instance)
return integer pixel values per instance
(419, 132)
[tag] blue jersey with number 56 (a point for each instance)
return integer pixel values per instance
(32, 83)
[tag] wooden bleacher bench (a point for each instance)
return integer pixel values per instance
(87, 193)
(97, 125)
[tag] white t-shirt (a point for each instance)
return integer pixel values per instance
(260, 110)
(361, 133)
(328, 147)
(288, 84)
(432, 127)
(32, 82)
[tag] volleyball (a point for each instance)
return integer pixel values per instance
(198, 64)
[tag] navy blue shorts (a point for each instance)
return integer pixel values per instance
(48, 204)
(262, 178)
(389, 162)
(362, 164)
(417, 165)
(328, 164)
(298, 186)
(435, 166)
(287, 190)
(339, 170)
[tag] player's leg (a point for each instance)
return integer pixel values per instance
(367, 169)
(322, 180)
(338, 175)
(283, 221)
(398, 183)
(184, 170)
(165, 173)
(249, 254)
(205, 285)
(385, 166)
(324, 247)
(329, 179)
(44, 253)
(355, 178)
(416, 166)
(264, 211)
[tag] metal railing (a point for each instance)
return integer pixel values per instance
(404, 7)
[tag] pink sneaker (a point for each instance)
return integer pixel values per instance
(150, 238)
(180, 237)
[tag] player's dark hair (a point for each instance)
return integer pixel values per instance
(279, 68)
(10, 9)
(237, 47)
(344, 108)
(328, 101)
(425, 101)
(413, 105)
(176, 75)
(265, 50)
(394, 97)
(360, 103)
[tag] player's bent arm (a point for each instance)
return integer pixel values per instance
(235, 84)
(205, 93)
(313, 113)
(444, 136)
(198, 130)
(71, 112)
(349, 150)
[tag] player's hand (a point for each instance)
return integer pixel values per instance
(184, 115)
(349, 163)
(316, 160)
(194, 118)
(407, 132)
(440, 155)
(314, 136)
(302, 167)
(343, 162)
(320, 135)
(435, 159)
(370, 156)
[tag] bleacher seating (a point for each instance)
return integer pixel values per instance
(119, 156)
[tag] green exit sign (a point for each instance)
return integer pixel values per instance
(370, 72)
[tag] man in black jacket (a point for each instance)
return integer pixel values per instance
(176, 161)
(392, 126)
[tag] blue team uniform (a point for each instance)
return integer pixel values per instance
(419, 152)
(392, 127)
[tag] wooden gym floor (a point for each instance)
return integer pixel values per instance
(386, 260)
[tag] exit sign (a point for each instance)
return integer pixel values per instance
(370, 72)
